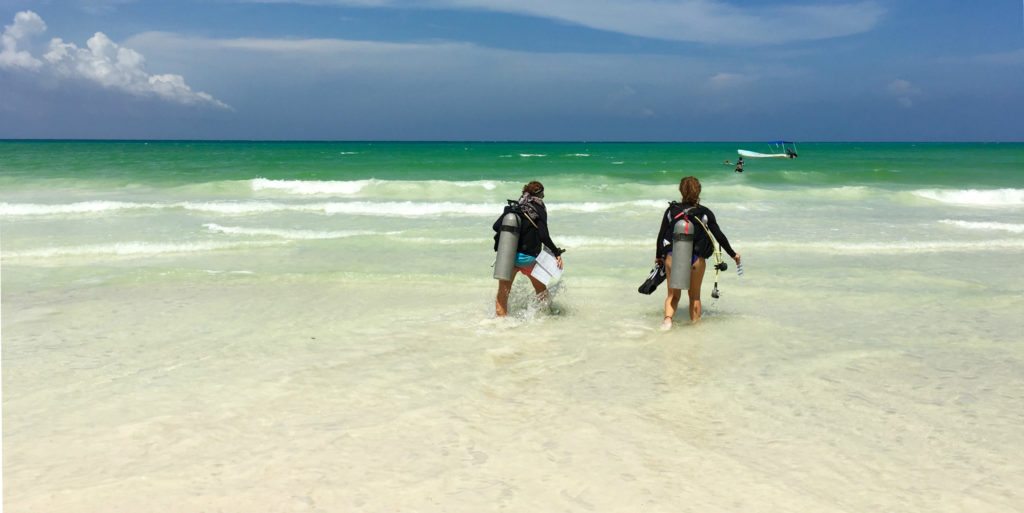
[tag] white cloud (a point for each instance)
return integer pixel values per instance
(728, 81)
(900, 87)
(323, 46)
(101, 6)
(704, 21)
(1010, 58)
(421, 76)
(103, 62)
(26, 24)
(424, 65)
(904, 91)
(625, 101)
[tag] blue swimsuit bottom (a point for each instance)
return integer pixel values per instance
(523, 260)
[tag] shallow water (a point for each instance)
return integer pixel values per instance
(249, 327)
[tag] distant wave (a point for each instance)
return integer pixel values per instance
(380, 208)
(976, 225)
(840, 248)
(568, 241)
(384, 208)
(285, 234)
(83, 207)
(351, 187)
(389, 208)
(106, 207)
(975, 197)
(595, 206)
(132, 249)
(893, 248)
(410, 208)
(574, 241)
(142, 249)
(311, 186)
(478, 241)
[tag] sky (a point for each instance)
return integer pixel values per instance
(513, 70)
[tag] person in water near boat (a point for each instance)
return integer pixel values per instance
(534, 233)
(688, 208)
(739, 165)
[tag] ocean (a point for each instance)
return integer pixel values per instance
(309, 326)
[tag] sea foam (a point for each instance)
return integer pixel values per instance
(83, 207)
(311, 187)
(353, 187)
(985, 226)
(975, 197)
(384, 208)
(595, 206)
(285, 234)
(580, 241)
(133, 249)
(891, 248)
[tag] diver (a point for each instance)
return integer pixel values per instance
(739, 165)
(533, 232)
(689, 209)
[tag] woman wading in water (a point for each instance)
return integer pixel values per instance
(534, 233)
(688, 208)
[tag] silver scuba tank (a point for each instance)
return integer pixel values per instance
(508, 242)
(682, 253)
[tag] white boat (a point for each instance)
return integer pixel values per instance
(756, 155)
(780, 150)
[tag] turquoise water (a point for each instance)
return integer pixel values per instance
(268, 326)
(163, 162)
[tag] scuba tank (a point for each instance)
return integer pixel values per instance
(682, 253)
(508, 243)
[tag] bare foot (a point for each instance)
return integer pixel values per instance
(667, 325)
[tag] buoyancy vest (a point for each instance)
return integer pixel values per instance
(703, 244)
(529, 233)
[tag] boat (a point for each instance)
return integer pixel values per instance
(779, 150)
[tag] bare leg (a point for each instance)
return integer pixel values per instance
(501, 303)
(672, 301)
(696, 277)
(539, 288)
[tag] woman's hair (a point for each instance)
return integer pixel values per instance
(534, 188)
(689, 187)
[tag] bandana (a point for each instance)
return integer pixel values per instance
(528, 202)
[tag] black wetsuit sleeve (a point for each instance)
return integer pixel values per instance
(717, 232)
(545, 236)
(664, 233)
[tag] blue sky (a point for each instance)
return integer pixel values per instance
(576, 70)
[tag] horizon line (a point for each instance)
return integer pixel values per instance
(503, 141)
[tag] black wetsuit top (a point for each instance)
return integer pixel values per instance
(530, 238)
(668, 221)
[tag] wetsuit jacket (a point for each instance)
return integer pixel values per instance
(668, 221)
(530, 238)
